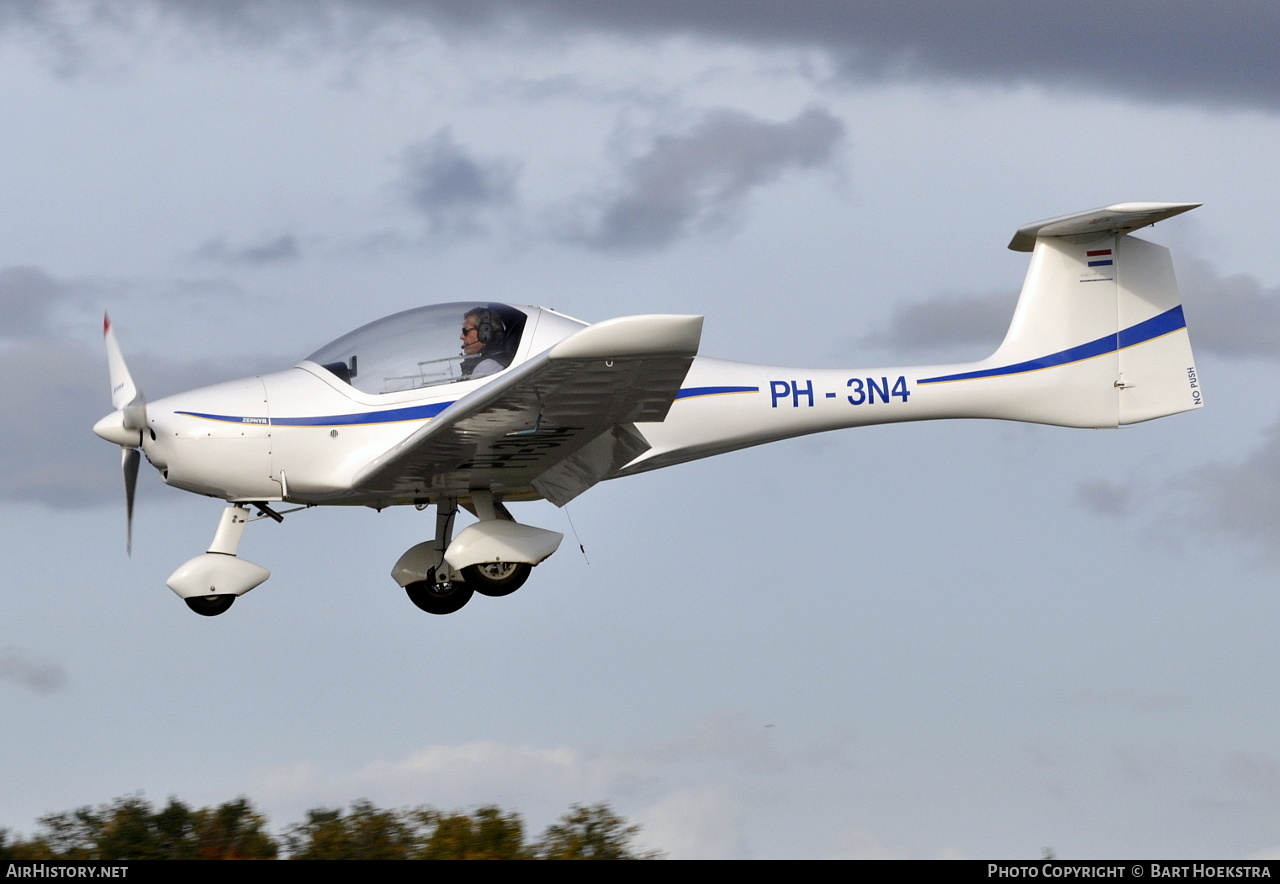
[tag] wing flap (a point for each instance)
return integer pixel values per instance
(602, 456)
(557, 424)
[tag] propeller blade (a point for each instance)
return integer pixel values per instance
(125, 394)
(130, 417)
(129, 460)
(123, 390)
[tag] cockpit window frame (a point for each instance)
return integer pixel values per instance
(420, 349)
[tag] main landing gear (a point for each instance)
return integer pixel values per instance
(439, 598)
(493, 557)
(496, 579)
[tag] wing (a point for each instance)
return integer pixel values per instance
(553, 426)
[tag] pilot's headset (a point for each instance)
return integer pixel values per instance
(490, 328)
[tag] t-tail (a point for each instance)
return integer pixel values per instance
(1098, 338)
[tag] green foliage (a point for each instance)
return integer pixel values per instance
(130, 829)
(233, 831)
(594, 832)
(6, 846)
(175, 831)
(486, 834)
(365, 833)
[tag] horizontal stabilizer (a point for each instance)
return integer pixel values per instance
(1118, 218)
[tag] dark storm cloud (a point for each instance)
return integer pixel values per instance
(1231, 316)
(947, 322)
(54, 385)
(57, 388)
(28, 297)
(1242, 499)
(1182, 50)
(1236, 317)
(1254, 772)
(1227, 316)
(1172, 50)
(273, 251)
(701, 178)
(1104, 497)
(21, 666)
(60, 389)
(51, 456)
(453, 188)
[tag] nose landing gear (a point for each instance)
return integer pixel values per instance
(209, 605)
(209, 583)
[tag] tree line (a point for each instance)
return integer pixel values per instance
(130, 828)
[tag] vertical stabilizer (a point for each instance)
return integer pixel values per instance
(1098, 337)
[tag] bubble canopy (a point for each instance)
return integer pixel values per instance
(421, 347)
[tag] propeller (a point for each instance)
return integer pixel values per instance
(126, 424)
(129, 460)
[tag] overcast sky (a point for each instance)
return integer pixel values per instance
(935, 640)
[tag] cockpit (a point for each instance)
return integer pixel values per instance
(425, 347)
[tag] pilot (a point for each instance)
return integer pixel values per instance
(483, 337)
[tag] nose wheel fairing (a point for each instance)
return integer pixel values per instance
(216, 574)
(206, 581)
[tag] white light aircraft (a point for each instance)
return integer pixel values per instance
(539, 405)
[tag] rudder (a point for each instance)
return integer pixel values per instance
(1157, 369)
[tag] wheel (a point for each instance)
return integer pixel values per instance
(434, 599)
(209, 605)
(496, 579)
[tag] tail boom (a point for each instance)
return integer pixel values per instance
(1098, 339)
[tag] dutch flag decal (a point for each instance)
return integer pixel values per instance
(1099, 257)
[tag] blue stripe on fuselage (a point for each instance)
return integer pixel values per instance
(397, 415)
(691, 392)
(1155, 327)
(362, 418)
